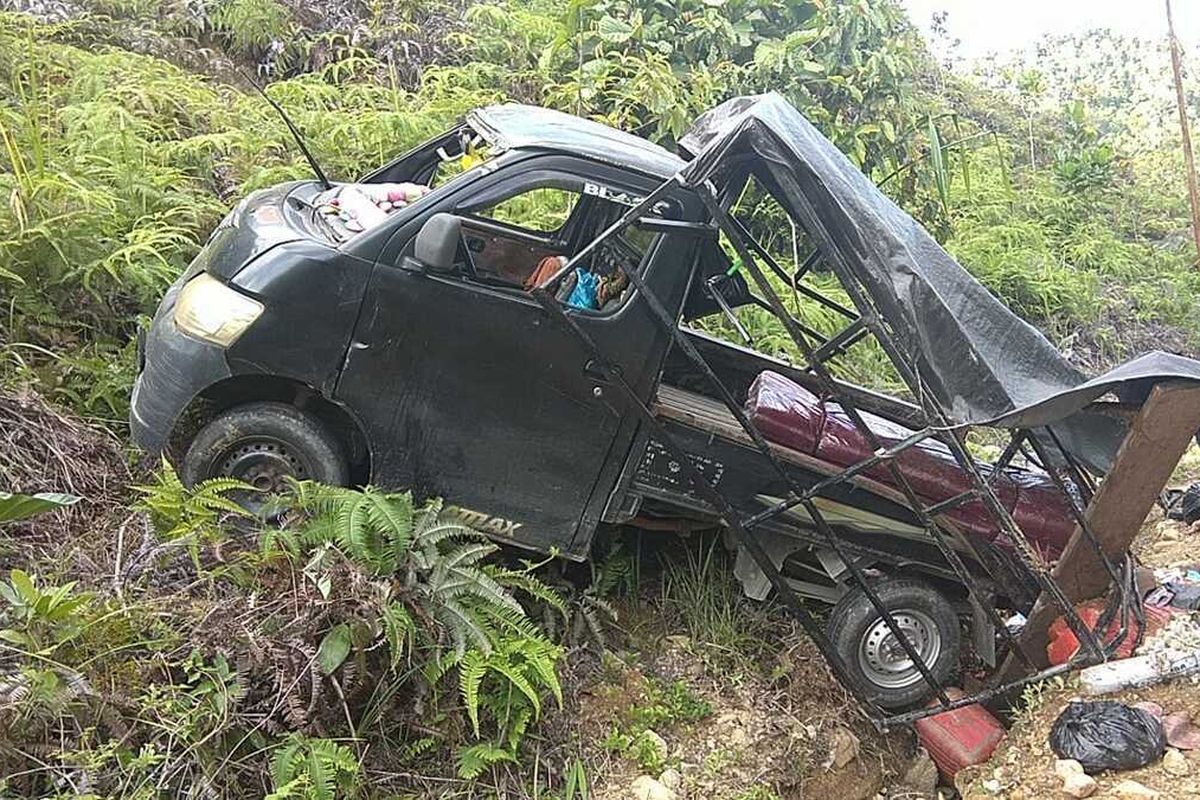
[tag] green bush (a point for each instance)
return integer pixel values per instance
(400, 608)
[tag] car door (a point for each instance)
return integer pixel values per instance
(468, 389)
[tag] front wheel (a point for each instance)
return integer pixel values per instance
(877, 662)
(264, 444)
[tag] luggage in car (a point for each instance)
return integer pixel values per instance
(792, 416)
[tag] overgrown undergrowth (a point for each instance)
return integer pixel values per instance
(127, 131)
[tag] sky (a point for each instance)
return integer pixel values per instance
(985, 26)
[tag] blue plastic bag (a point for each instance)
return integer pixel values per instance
(584, 293)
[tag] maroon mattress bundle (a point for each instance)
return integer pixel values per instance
(790, 415)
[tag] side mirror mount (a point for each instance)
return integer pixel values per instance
(437, 243)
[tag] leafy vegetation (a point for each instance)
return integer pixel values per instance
(15, 507)
(118, 163)
(397, 604)
(358, 635)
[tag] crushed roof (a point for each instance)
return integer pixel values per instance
(513, 126)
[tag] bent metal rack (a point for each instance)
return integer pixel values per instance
(873, 247)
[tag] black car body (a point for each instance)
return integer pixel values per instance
(455, 382)
(459, 387)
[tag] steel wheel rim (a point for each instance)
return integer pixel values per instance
(265, 463)
(882, 658)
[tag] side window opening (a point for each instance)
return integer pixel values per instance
(544, 210)
(521, 239)
(751, 323)
(602, 283)
(510, 237)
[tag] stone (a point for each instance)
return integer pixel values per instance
(1077, 784)
(646, 788)
(843, 748)
(1175, 763)
(659, 743)
(1181, 732)
(1066, 767)
(737, 738)
(671, 779)
(922, 774)
(1132, 790)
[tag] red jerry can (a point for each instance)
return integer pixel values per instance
(960, 738)
(1063, 645)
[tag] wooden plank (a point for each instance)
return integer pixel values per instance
(1158, 437)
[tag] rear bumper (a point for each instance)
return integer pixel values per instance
(174, 370)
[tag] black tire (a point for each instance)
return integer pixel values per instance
(876, 661)
(261, 443)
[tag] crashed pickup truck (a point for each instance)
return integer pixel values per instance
(521, 334)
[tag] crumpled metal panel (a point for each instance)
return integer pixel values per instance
(981, 363)
(512, 126)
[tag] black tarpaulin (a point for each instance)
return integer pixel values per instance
(980, 361)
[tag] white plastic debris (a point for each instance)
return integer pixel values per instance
(1129, 673)
(360, 207)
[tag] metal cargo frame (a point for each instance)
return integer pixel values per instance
(1040, 446)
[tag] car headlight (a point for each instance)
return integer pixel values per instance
(212, 312)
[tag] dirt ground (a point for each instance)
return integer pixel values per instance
(780, 727)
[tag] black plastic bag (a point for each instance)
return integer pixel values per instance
(1104, 734)
(1184, 505)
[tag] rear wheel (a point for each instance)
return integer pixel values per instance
(264, 444)
(877, 661)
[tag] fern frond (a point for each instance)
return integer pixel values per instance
(399, 628)
(443, 530)
(467, 554)
(536, 589)
(392, 514)
(543, 660)
(463, 626)
(479, 584)
(514, 676)
(440, 666)
(473, 761)
(471, 671)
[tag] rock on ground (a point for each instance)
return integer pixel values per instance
(1175, 763)
(1132, 790)
(647, 788)
(922, 774)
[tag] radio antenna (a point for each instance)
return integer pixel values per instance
(312, 161)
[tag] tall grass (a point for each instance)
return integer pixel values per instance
(114, 166)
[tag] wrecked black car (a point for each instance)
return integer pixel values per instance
(422, 329)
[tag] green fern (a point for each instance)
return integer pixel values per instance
(399, 629)
(251, 24)
(373, 528)
(473, 761)
(434, 570)
(526, 665)
(313, 769)
(178, 512)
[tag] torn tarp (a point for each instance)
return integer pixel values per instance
(981, 363)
